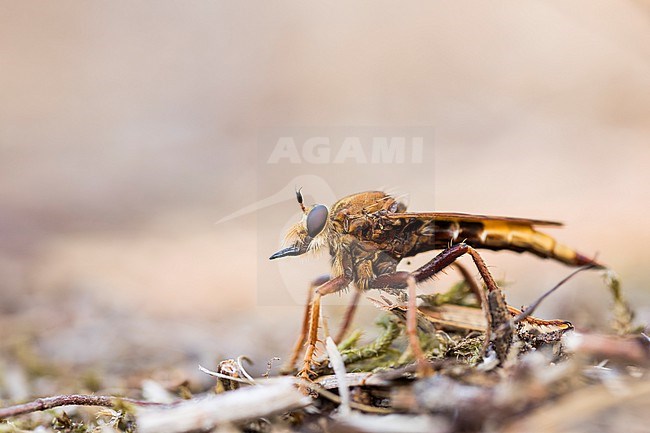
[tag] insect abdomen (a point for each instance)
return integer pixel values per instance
(499, 235)
(493, 235)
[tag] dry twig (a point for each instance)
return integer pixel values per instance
(71, 400)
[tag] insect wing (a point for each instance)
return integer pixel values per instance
(463, 217)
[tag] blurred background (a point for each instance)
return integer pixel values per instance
(128, 130)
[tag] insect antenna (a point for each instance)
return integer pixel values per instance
(300, 201)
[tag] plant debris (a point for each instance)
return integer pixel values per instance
(495, 368)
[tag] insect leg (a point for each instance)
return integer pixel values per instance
(297, 348)
(424, 369)
(471, 282)
(481, 296)
(332, 286)
(349, 314)
(430, 269)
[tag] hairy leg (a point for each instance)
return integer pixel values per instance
(428, 270)
(349, 315)
(297, 348)
(332, 286)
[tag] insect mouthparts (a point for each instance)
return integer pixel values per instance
(285, 252)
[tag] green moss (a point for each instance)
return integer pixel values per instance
(468, 349)
(379, 347)
(351, 341)
(458, 294)
(623, 313)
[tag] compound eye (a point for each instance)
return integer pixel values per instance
(316, 220)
